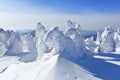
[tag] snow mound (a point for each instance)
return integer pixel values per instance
(54, 68)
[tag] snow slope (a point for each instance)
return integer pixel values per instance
(53, 68)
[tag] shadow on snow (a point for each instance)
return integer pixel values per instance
(100, 68)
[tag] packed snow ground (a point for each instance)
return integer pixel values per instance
(101, 67)
(59, 55)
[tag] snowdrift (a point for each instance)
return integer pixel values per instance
(54, 68)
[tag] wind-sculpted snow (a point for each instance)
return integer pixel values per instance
(14, 45)
(70, 42)
(2, 49)
(39, 33)
(57, 40)
(39, 36)
(92, 45)
(98, 38)
(117, 39)
(108, 41)
(5, 37)
(29, 47)
(76, 36)
(71, 24)
(59, 55)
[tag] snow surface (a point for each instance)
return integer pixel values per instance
(59, 55)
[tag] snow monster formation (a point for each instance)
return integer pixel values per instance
(92, 45)
(74, 33)
(14, 45)
(54, 41)
(28, 47)
(5, 40)
(117, 39)
(39, 37)
(9, 40)
(69, 44)
(107, 40)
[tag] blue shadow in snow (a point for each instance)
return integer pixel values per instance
(100, 68)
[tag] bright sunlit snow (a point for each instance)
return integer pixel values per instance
(54, 54)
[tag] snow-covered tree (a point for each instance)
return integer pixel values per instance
(14, 45)
(70, 24)
(2, 49)
(39, 36)
(76, 35)
(54, 39)
(28, 47)
(98, 38)
(107, 40)
(117, 39)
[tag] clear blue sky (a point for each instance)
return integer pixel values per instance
(64, 6)
(78, 8)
